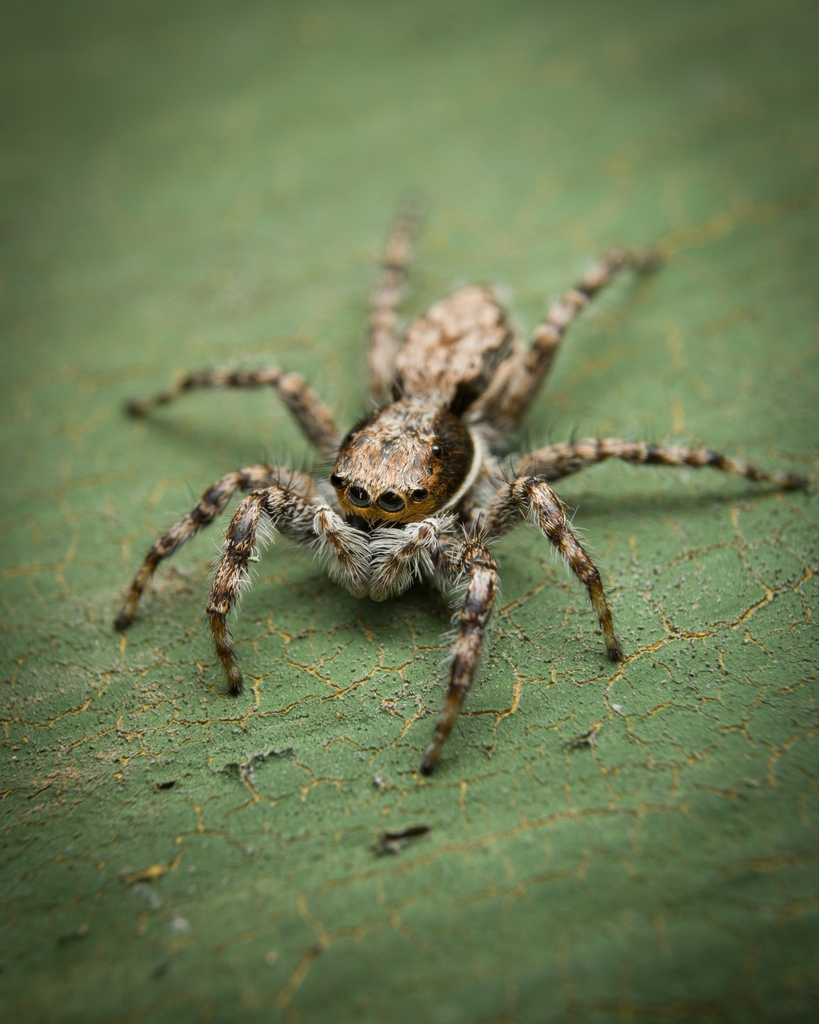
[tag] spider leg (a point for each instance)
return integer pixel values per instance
(212, 503)
(311, 414)
(531, 366)
(383, 321)
(465, 560)
(513, 502)
(308, 523)
(559, 460)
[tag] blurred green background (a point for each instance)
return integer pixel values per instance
(196, 184)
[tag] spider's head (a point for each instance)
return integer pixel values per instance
(403, 463)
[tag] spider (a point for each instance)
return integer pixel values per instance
(418, 489)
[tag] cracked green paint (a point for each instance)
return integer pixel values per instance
(183, 186)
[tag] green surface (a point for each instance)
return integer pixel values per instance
(187, 185)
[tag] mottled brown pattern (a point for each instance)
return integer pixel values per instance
(311, 414)
(383, 341)
(469, 562)
(403, 500)
(524, 372)
(451, 353)
(212, 503)
(559, 460)
(532, 495)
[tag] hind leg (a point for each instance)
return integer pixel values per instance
(383, 325)
(531, 367)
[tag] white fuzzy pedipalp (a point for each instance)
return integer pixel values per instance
(344, 550)
(400, 557)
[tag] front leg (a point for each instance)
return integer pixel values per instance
(212, 503)
(306, 523)
(512, 504)
(471, 561)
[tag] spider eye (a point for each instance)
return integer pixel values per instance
(359, 497)
(336, 481)
(391, 502)
(419, 493)
(437, 451)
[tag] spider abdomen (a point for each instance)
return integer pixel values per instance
(452, 352)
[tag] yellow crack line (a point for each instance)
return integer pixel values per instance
(51, 567)
(741, 212)
(517, 691)
(522, 828)
(774, 863)
(784, 748)
(298, 976)
(396, 921)
(153, 872)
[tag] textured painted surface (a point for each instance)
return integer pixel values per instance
(183, 186)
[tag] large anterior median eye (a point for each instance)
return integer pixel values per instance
(359, 497)
(391, 502)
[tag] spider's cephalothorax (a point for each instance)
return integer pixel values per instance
(416, 490)
(405, 462)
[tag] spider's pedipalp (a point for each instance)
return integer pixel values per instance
(401, 557)
(528, 494)
(344, 550)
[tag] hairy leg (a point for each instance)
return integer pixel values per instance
(212, 503)
(532, 366)
(311, 414)
(383, 323)
(305, 522)
(559, 460)
(513, 502)
(466, 561)
(400, 557)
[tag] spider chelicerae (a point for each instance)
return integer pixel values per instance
(418, 489)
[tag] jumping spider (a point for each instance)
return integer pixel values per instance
(417, 489)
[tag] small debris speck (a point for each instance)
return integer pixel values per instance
(78, 933)
(584, 739)
(394, 842)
